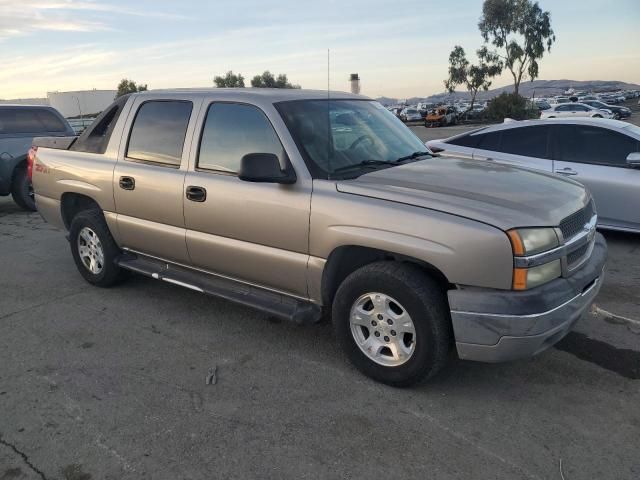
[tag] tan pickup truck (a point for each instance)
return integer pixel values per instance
(300, 205)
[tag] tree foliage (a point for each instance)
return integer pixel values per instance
(129, 86)
(267, 80)
(510, 105)
(522, 32)
(230, 80)
(473, 77)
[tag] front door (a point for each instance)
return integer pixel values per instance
(253, 232)
(596, 157)
(149, 179)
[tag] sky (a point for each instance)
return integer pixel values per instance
(400, 48)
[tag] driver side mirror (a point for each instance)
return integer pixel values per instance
(264, 168)
(633, 160)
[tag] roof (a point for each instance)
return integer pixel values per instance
(599, 122)
(262, 94)
(25, 105)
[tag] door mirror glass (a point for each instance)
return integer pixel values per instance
(264, 168)
(633, 160)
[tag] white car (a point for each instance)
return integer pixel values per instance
(602, 154)
(410, 115)
(573, 110)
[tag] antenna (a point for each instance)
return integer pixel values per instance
(328, 111)
(328, 74)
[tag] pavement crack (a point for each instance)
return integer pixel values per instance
(51, 300)
(24, 457)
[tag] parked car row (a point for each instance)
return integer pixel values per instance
(438, 115)
(602, 154)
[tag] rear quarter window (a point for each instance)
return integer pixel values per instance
(470, 141)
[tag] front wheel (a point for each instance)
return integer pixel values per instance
(392, 321)
(597, 116)
(94, 250)
(22, 190)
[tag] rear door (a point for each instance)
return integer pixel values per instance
(149, 177)
(520, 146)
(253, 232)
(596, 157)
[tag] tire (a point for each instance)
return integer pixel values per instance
(597, 116)
(103, 271)
(22, 191)
(412, 293)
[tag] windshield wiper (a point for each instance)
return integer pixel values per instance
(412, 156)
(364, 163)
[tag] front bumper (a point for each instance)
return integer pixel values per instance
(498, 325)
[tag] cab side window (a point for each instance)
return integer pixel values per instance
(158, 132)
(233, 130)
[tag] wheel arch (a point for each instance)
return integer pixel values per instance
(18, 163)
(72, 203)
(346, 259)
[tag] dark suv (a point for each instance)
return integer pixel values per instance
(19, 124)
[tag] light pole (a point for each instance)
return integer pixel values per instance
(79, 110)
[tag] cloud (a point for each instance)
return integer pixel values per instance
(30, 16)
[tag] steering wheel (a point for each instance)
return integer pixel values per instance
(361, 139)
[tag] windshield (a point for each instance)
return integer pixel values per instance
(363, 135)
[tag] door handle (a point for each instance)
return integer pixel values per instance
(567, 171)
(127, 183)
(196, 194)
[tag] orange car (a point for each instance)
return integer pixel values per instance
(440, 117)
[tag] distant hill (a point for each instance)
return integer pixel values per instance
(541, 88)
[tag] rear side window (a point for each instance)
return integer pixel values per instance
(231, 131)
(158, 132)
(527, 141)
(594, 145)
(30, 120)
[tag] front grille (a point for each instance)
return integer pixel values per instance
(576, 256)
(574, 223)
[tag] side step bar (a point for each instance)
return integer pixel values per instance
(273, 303)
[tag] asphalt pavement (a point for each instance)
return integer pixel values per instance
(111, 384)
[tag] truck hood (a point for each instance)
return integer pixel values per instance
(496, 194)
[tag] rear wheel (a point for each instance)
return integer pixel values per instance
(94, 250)
(392, 321)
(597, 115)
(22, 190)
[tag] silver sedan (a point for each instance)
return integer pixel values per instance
(604, 155)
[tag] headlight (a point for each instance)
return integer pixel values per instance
(528, 241)
(525, 278)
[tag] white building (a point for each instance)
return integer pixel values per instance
(82, 102)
